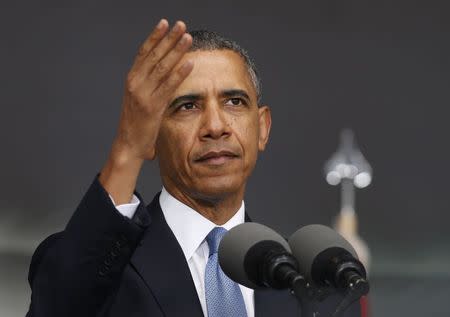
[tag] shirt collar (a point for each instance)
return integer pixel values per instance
(190, 227)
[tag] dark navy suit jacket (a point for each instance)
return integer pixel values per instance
(104, 264)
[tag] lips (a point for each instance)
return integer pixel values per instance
(211, 155)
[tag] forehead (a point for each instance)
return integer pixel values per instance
(214, 71)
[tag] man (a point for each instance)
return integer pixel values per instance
(192, 102)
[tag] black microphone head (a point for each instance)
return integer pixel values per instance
(236, 244)
(308, 242)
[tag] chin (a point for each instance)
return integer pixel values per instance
(217, 187)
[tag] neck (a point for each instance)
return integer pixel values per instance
(217, 208)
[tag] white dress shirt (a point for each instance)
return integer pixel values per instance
(190, 229)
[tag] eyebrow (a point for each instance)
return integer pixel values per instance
(235, 93)
(194, 97)
(185, 99)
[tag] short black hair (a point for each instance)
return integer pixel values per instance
(205, 40)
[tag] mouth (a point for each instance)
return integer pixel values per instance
(216, 157)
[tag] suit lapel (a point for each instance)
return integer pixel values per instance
(161, 263)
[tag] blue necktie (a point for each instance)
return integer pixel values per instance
(223, 296)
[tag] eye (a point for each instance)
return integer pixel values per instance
(187, 106)
(235, 101)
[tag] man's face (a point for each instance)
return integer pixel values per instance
(213, 128)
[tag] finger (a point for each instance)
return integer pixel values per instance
(163, 47)
(171, 83)
(152, 40)
(163, 69)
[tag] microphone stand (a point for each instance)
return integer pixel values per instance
(309, 297)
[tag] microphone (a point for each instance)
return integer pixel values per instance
(256, 256)
(327, 259)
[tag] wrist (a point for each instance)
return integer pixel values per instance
(122, 158)
(120, 173)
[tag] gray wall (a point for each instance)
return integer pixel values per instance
(382, 69)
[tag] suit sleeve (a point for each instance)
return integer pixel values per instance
(76, 271)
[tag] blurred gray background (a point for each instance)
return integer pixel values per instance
(381, 68)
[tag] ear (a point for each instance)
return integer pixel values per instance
(265, 122)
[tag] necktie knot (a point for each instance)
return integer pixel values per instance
(214, 237)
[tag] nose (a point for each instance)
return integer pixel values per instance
(214, 122)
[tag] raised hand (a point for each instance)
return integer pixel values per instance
(154, 76)
(150, 83)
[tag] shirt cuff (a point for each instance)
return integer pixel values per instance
(129, 209)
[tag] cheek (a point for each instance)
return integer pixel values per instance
(175, 144)
(248, 138)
